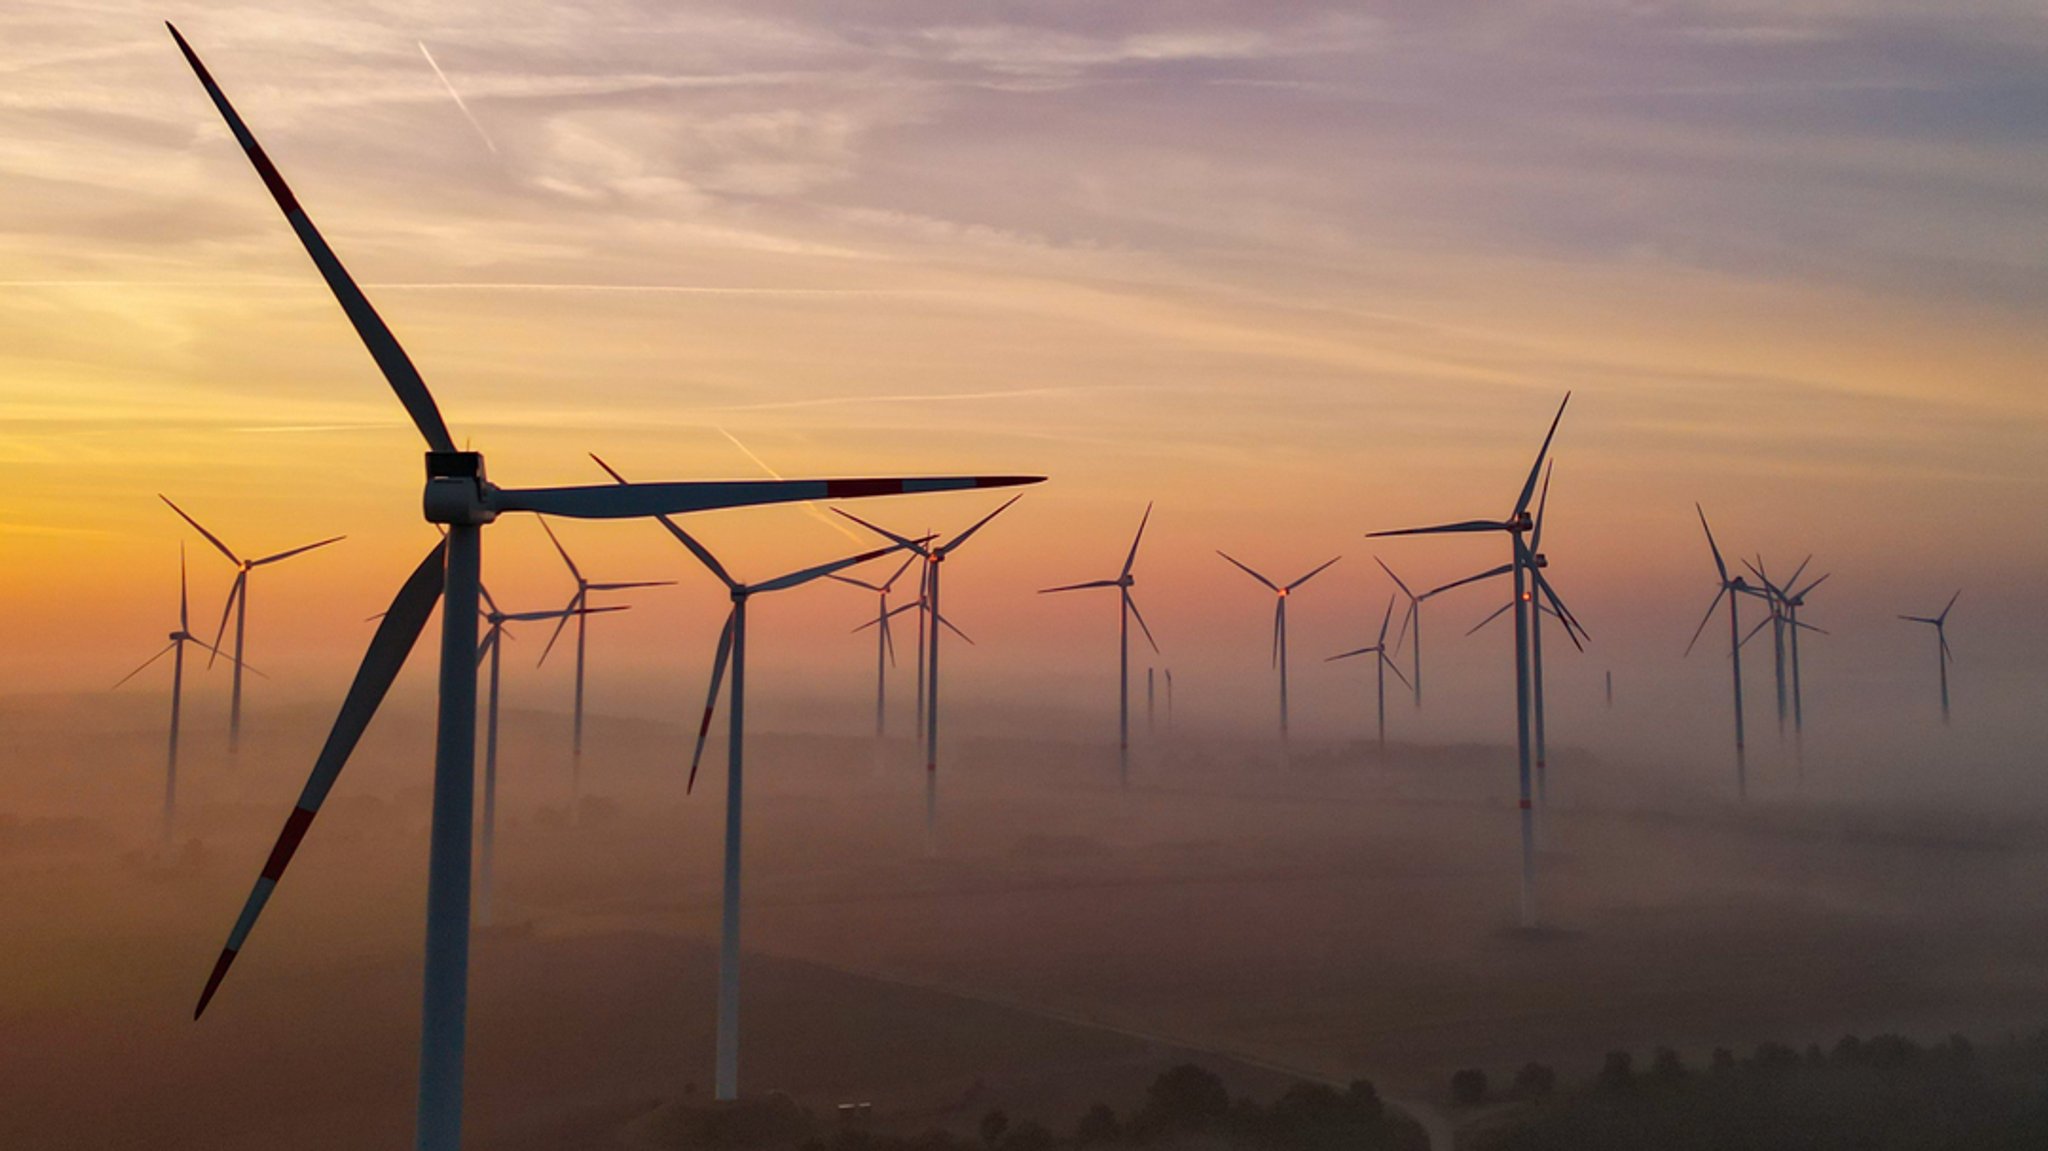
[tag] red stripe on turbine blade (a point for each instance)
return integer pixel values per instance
(295, 826)
(264, 168)
(704, 729)
(855, 489)
(220, 971)
(1523, 804)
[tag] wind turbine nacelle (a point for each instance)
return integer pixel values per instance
(457, 492)
(1539, 560)
(1522, 522)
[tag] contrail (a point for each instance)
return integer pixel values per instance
(467, 114)
(809, 505)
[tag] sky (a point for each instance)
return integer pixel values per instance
(1293, 271)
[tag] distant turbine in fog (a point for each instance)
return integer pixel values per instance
(1280, 595)
(934, 559)
(1518, 523)
(1127, 609)
(176, 650)
(580, 599)
(238, 606)
(1411, 621)
(1786, 626)
(1537, 562)
(885, 644)
(732, 649)
(1940, 623)
(1169, 700)
(1380, 668)
(1729, 588)
(491, 646)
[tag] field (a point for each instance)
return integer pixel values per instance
(1328, 915)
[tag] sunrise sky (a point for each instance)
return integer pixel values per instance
(1295, 271)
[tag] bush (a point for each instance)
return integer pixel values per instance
(1724, 1061)
(1364, 1099)
(1666, 1066)
(992, 1127)
(1468, 1087)
(1535, 1079)
(1774, 1057)
(1618, 1072)
(1099, 1125)
(1183, 1098)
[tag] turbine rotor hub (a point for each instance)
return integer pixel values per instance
(457, 492)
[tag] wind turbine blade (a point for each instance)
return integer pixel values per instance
(384, 348)
(1133, 557)
(805, 576)
(1919, 619)
(1248, 571)
(857, 582)
(955, 630)
(1793, 579)
(1719, 565)
(1572, 630)
(562, 551)
(1396, 669)
(1440, 529)
(227, 609)
(1349, 654)
(948, 547)
(1497, 613)
(711, 697)
(1542, 502)
(575, 603)
(1488, 574)
(630, 584)
(1094, 583)
(164, 651)
(1946, 655)
(636, 501)
(218, 653)
(483, 650)
(889, 640)
(1705, 619)
(1407, 617)
(1529, 485)
(1943, 617)
(1804, 626)
(1760, 625)
(914, 605)
(210, 537)
(1801, 593)
(485, 592)
(1279, 625)
(1140, 617)
(394, 640)
(1319, 569)
(564, 613)
(915, 547)
(896, 575)
(689, 541)
(184, 595)
(1775, 593)
(1385, 620)
(285, 555)
(1392, 576)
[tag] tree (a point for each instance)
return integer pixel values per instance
(993, 1125)
(1468, 1087)
(1183, 1098)
(1535, 1080)
(1099, 1125)
(1618, 1073)
(1666, 1066)
(1364, 1099)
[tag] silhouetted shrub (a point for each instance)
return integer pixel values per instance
(1618, 1071)
(1724, 1061)
(992, 1127)
(1774, 1057)
(1891, 1051)
(1099, 1125)
(1468, 1087)
(1666, 1066)
(1183, 1098)
(1815, 1057)
(1029, 1135)
(1363, 1100)
(1848, 1051)
(1535, 1079)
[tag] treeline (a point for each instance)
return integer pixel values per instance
(1185, 1104)
(1885, 1093)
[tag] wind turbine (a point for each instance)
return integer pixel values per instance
(885, 644)
(1537, 563)
(1730, 587)
(458, 496)
(238, 606)
(732, 648)
(580, 599)
(1127, 610)
(176, 650)
(934, 559)
(1786, 626)
(491, 647)
(1517, 524)
(1940, 623)
(1380, 666)
(1411, 620)
(1280, 595)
